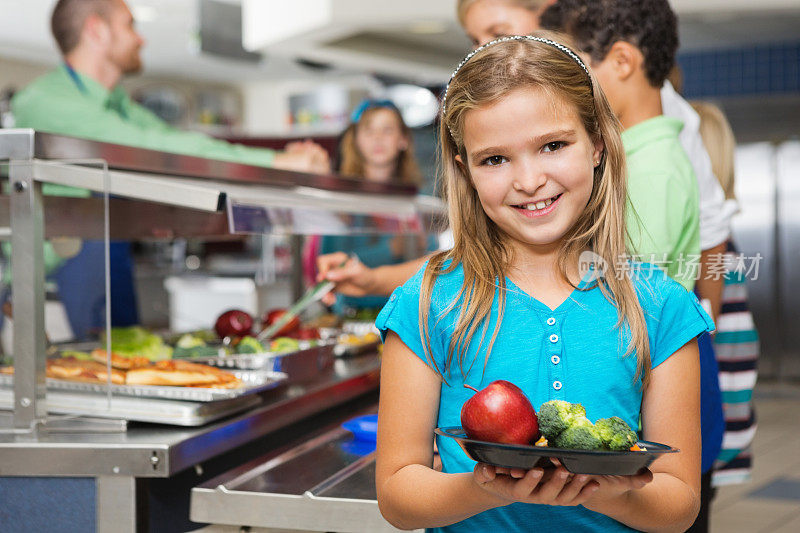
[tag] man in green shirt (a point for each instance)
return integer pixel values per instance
(82, 97)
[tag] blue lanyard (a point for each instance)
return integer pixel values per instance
(82, 87)
(75, 78)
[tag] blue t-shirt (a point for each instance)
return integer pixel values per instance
(573, 353)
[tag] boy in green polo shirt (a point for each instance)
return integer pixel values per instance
(631, 48)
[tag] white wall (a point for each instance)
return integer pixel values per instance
(265, 104)
(17, 74)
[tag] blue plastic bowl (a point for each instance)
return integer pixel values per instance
(363, 427)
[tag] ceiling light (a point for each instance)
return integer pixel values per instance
(427, 27)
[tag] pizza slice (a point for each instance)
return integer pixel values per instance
(182, 373)
(119, 361)
(72, 369)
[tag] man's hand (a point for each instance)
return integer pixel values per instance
(353, 278)
(303, 156)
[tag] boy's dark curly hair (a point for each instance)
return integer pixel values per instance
(595, 25)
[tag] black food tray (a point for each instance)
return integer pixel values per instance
(596, 462)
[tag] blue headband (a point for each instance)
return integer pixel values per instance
(369, 103)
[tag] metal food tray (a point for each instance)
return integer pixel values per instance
(324, 483)
(259, 361)
(359, 327)
(153, 410)
(352, 350)
(254, 381)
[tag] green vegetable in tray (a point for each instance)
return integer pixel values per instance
(191, 346)
(557, 415)
(565, 425)
(366, 314)
(284, 344)
(188, 341)
(249, 345)
(135, 341)
(581, 435)
(83, 356)
(615, 433)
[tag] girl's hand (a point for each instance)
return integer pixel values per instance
(552, 487)
(612, 487)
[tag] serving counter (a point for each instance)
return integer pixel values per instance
(117, 475)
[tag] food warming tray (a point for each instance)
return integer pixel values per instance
(254, 381)
(158, 411)
(261, 361)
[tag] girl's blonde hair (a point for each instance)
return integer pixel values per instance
(530, 5)
(352, 160)
(719, 142)
(480, 246)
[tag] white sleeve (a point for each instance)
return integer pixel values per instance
(446, 240)
(715, 211)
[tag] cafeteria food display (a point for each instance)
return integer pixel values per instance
(197, 359)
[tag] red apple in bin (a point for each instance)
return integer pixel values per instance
(500, 413)
(234, 323)
(272, 316)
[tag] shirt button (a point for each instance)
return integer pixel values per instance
(557, 385)
(555, 359)
(554, 338)
(394, 296)
(551, 321)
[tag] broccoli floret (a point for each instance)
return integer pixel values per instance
(581, 435)
(249, 345)
(615, 433)
(284, 344)
(189, 341)
(557, 415)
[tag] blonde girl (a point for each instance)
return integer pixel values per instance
(377, 145)
(534, 177)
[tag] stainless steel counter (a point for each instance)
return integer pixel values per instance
(324, 481)
(160, 451)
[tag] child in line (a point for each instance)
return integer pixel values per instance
(736, 341)
(631, 48)
(534, 176)
(377, 146)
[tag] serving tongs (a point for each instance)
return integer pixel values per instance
(313, 294)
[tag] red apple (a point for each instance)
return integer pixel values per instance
(273, 315)
(234, 323)
(500, 413)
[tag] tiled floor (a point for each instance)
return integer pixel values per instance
(770, 502)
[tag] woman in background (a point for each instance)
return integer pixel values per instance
(736, 341)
